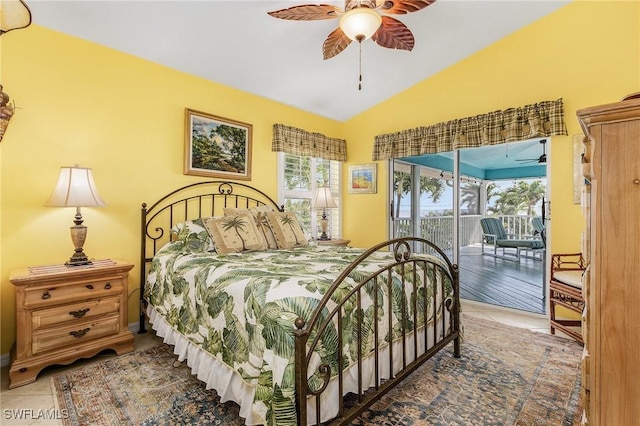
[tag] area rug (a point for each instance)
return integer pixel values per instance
(505, 376)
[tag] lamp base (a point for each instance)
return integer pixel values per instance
(78, 236)
(324, 224)
(78, 259)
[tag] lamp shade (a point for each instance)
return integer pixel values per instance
(14, 14)
(324, 199)
(75, 188)
(360, 23)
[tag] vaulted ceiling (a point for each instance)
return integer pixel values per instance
(238, 44)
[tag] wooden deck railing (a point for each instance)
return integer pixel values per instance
(439, 229)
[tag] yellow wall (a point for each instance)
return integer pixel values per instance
(122, 116)
(575, 53)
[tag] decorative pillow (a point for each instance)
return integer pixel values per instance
(286, 229)
(258, 214)
(194, 234)
(233, 234)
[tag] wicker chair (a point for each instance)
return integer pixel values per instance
(565, 289)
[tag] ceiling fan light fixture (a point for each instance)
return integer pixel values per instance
(360, 23)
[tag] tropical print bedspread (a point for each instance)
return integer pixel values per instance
(241, 309)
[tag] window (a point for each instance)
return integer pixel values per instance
(297, 182)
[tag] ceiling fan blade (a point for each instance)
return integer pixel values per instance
(402, 7)
(335, 43)
(308, 12)
(393, 34)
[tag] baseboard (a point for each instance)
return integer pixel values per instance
(5, 360)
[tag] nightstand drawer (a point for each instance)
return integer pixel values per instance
(36, 297)
(63, 314)
(74, 334)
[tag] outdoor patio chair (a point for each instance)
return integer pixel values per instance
(494, 235)
(539, 233)
(538, 228)
(565, 289)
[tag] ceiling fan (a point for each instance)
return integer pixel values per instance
(540, 160)
(360, 20)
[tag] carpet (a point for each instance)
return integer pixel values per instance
(505, 376)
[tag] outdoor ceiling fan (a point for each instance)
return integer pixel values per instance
(360, 20)
(540, 160)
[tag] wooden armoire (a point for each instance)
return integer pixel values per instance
(611, 321)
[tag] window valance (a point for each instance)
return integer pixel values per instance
(514, 124)
(300, 142)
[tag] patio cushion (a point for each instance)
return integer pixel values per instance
(493, 226)
(537, 225)
(572, 278)
(526, 244)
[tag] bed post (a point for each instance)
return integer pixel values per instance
(143, 246)
(301, 371)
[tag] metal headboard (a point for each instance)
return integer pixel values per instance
(197, 200)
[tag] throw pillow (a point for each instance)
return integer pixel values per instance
(236, 233)
(258, 214)
(194, 235)
(286, 229)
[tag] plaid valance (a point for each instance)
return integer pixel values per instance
(513, 124)
(300, 142)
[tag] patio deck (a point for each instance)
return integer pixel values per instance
(512, 284)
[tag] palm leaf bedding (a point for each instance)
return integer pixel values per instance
(241, 309)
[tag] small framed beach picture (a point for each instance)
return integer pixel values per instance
(362, 179)
(216, 146)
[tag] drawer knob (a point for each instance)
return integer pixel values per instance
(107, 286)
(636, 181)
(46, 295)
(79, 313)
(79, 333)
(89, 286)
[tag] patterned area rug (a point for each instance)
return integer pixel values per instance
(506, 376)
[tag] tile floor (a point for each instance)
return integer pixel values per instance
(36, 399)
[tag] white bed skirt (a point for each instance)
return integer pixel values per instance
(230, 386)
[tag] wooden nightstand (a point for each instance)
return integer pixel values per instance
(333, 242)
(64, 313)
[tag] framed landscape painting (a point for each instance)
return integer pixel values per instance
(216, 146)
(362, 179)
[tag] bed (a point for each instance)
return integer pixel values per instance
(295, 334)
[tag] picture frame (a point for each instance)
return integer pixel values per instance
(216, 146)
(363, 179)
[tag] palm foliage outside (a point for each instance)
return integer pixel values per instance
(521, 198)
(402, 184)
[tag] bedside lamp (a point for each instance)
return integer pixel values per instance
(76, 188)
(324, 201)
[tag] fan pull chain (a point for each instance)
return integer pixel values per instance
(360, 63)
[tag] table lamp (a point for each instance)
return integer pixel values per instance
(324, 201)
(76, 188)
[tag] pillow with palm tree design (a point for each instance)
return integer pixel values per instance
(286, 229)
(258, 214)
(235, 233)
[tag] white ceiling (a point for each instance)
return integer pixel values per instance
(237, 44)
